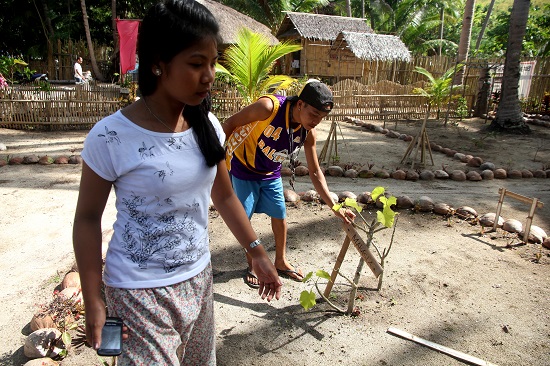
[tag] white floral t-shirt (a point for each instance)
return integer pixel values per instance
(162, 186)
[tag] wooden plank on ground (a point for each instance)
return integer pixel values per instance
(446, 350)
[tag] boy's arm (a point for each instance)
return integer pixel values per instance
(318, 178)
(257, 111)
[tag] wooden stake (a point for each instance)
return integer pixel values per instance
(446, 350)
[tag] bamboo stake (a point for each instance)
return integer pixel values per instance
(446, 350)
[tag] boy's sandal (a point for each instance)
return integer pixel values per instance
(248, 273)
(291, 274)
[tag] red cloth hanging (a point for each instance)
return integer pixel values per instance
(127, 33)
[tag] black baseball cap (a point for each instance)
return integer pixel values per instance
(317, 95)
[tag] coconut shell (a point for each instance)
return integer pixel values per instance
(441, 174)
(488, 220)
(500, 173)
(335, 171)
(71, 279)
(367, 173)
(412, 175)
(466, 213)
(291, 196)
(301, 171)
(458, 175)
(536, 235)
(443, 209)
(487, 174)
(514, 174)
(424, 204)
(364, 198)
(399, 174)
(512, 226)
(526, 174)
(404, 202)
(310, 196)
(41, 321)
(383, 174)
(43, 361)
(346, 194)
(350, 173)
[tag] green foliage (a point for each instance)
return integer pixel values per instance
(385, 217)
(461, 108)
(439, 88)
(248, 64)
(308, 298)
(9, 65)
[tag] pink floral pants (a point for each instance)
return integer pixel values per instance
(171, 325)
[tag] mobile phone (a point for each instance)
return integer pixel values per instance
(111, 337)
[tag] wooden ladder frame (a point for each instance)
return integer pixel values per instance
(534, 204)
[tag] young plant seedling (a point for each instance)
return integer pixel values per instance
(385, 218)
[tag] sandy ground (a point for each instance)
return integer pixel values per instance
(485, 295)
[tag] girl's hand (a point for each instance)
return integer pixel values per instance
(345, 214)
(270, 283)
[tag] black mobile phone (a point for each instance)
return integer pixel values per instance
(111, 337)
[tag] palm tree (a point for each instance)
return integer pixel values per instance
(95, 68)
(509, 115)
(438, 89)
(465, 36)
(249, 61)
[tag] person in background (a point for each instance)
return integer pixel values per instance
(259, 138)
(78, 75)
(164, 157)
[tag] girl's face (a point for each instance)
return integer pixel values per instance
(190, 74)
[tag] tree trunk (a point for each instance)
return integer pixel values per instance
(116, 49)
(509, 116)
(482, 101)
(464, 43)
(348, 7)
(485, 22)
(441, 23)
(49, 36)
(95, 68)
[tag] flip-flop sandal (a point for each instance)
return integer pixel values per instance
(248, 273)
(291, 274)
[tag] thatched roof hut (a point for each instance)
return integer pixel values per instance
(371, 47)
(319, 26)
(231, 21)
(336, 47)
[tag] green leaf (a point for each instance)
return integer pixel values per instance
(307, 299)
(350, 202)
(323, 274)
(336, 206)
(376, 193)
(391, 201)
(307, 277)
(66, 338)
(386, 217)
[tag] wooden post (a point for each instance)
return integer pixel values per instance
(446, 350)
(366, 257)
(534, 204)
(419, 142)
(337, 265)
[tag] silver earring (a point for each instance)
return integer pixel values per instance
(158, 72)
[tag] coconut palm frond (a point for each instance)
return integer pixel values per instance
(250, 60)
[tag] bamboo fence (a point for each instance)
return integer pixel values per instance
(390, 98)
